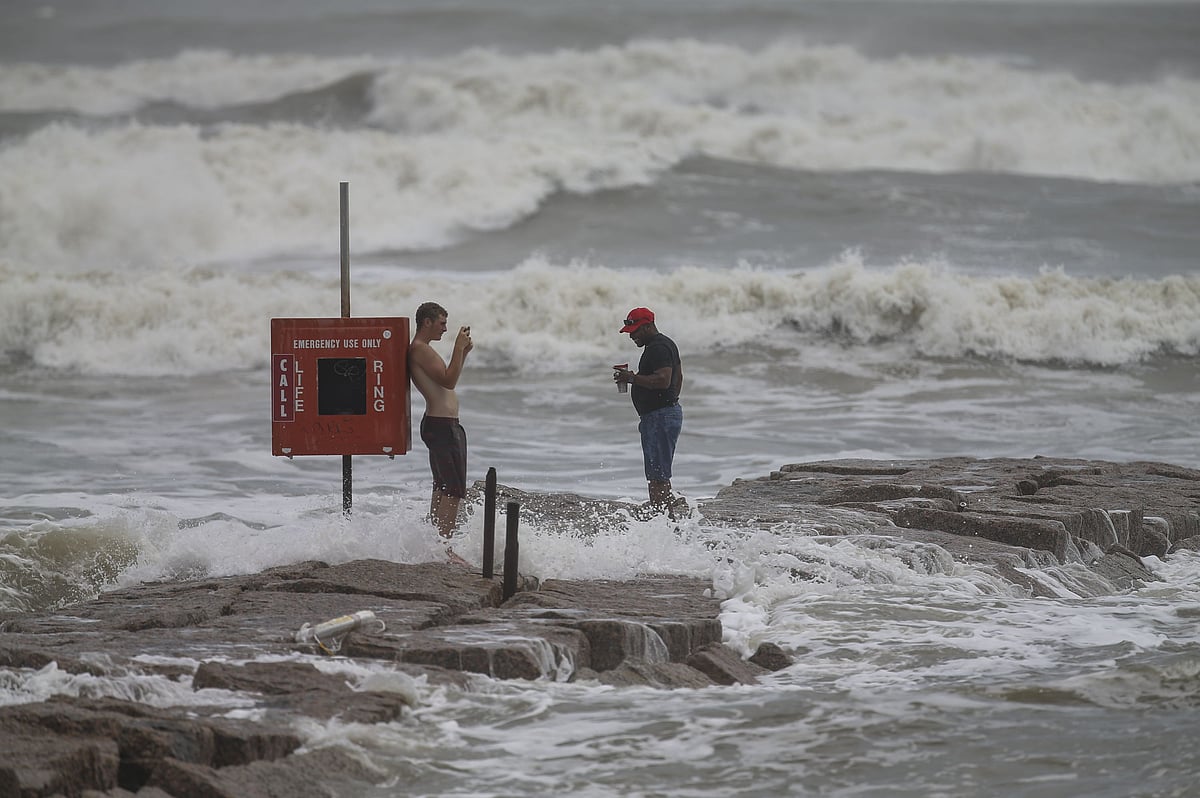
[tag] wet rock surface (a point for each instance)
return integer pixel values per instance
(448, 626)
(1003, 514)
(439, 622)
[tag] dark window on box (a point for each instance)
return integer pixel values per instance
(342, 386)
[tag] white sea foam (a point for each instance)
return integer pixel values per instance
(542, 314)
(902, 622)
(305, 531)
(25, 686)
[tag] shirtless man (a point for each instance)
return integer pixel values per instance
(445, 437)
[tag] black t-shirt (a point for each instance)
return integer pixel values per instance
(659, 351)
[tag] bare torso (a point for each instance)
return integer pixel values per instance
(439, 401)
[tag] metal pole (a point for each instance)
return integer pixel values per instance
(511, 551)
(489, 525)
(345, 250)
(347, 460)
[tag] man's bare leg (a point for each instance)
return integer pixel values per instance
(443, 511)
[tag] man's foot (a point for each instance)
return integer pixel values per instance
(679, 508)
(674, 508)
(454, 559)
(647, 510)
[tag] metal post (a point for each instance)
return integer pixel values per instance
(489, 525)
(345, 250)
(347, 460)
(511, 551)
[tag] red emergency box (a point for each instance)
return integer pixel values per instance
(340, 386)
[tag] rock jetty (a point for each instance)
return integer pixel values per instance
(439, 621)
(999, 514)
(448, 625)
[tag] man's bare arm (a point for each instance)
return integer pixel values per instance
(428, 362)
(657, 381)
(423, 356)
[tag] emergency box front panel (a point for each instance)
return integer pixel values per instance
(340, 386)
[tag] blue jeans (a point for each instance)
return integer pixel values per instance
(660, 430)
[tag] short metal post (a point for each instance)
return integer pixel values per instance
(489, 525)
(511, 551)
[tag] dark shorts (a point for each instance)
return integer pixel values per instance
(447, 442)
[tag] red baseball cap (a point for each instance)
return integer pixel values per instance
(637, 318)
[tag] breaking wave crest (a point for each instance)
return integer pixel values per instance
(541, 313)
(212, 156)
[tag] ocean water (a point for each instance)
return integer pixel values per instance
(884, 229)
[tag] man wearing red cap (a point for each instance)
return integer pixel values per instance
(655, 396)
